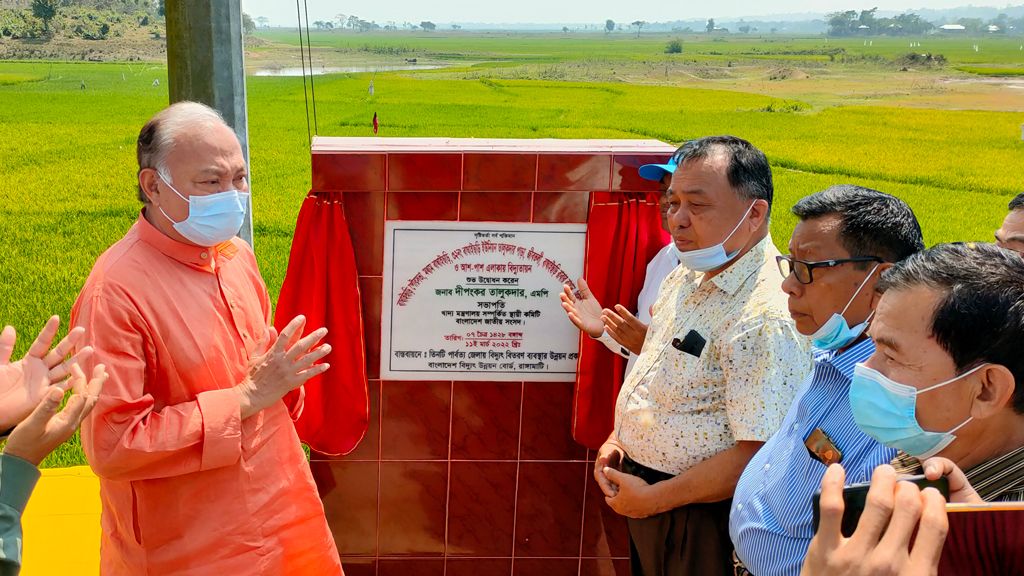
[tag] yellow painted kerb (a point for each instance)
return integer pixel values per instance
(62, 524)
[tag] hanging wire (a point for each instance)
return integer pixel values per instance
(302, 56)
(309, 51)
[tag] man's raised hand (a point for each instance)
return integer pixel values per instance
(585, 312)
(282, 362)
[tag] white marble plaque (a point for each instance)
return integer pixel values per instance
(479, 301)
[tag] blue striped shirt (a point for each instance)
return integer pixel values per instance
(771, 519)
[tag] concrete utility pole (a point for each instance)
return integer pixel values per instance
(206, 63)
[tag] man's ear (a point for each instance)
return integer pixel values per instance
(995, 392)
(148, 179)
(873, 281)
(758, 213)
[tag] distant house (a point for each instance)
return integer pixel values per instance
(953, 28)
(993, 29)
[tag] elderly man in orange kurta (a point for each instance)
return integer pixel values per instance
(201, 471)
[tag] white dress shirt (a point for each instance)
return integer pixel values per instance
(663, 263)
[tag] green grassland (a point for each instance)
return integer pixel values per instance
(67, 155)
(551, 47)
(992, 71)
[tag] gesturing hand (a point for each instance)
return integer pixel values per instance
(46, 428)
(585, 313)
(625, 328)
(881, 544)
(281, 364)
(24, 383)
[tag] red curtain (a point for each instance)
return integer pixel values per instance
(322, 283)
(624, 233)
(984, 542)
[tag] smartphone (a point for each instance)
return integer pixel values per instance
(856, 495)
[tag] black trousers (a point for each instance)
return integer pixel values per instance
(691, 540)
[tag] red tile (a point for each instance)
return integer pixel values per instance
(626, 175)
(349, 494)
(412, 508)
(549, 513)
(603, 567)
(479, 567)
(481, 506)
(392, 567)
(500, 171)
(370, 295)
(605, 533)
(415, 419)
(561, 206)
(345, 172)
(485, 420)
(558, 172)
(547, 423)
(546, 567)
(496, 206)
(369, 447)
(359, 566)
(364, 212)
(422, 172)
(423, 205)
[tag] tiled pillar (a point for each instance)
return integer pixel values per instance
(466, 478)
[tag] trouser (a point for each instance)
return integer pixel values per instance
(691, 540)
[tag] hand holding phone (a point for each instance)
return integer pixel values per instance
(855, 498)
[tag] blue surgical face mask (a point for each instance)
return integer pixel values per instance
(886, 411)
(712, 257)
(837, 333)
(213, 218)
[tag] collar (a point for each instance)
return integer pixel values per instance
(848, 359)
(747, 265)
(993, 479)
(203, 257)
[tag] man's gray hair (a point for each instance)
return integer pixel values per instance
(160, 134)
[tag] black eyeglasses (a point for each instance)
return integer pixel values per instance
(789, 265)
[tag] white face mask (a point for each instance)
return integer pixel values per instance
(712, 257)
(213, 218)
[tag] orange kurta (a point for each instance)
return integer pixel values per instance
(188, 487)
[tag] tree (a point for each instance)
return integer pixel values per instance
(329, 25)
(674, 47)
(45, 10)
(609, 25)
(248, 26)
(565, 29)
(353, 21)
(341, 19)
(428, 26)
(711, 25)
(160, 9)
(744, 29)
(841, 23)
(263, 21)
(774, 30)
(319, 24)
(456, 27)
(639, 26)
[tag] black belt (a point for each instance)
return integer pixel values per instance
(649, 475)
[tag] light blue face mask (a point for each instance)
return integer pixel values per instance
(886, 411)
(213, 218)
(837, 333)
(712, 257)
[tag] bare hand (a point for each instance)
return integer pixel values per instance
(45, 428)
(960, 490)
(881, 544)
(24, 383)
(584, 313)
(635, 498)
(281, 364)
(625, 328)
(609, 456)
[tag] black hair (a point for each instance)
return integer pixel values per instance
(749, 173)
(872, 223)
(979, 318)
(1017, 202)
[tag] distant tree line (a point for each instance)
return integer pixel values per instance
(865, 23)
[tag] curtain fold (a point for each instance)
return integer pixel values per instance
(623, 234)
(322, 283)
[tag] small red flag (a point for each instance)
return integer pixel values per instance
(375, 123)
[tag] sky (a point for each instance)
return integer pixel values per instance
(283, 13)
